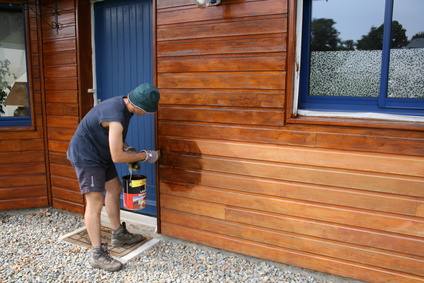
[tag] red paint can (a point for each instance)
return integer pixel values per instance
(134, 192)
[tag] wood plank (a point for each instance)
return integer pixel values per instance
(380, 132)
(404, 146)
(62, 109)
(384, 183)
(66, 31)
(250, 26)
(270, 252)
(68, 206)
(257, 44)
(60, 71)
(210, 97)
(420, 207)
(331, 249)
(58, 46)
(240, 133)
(55, 97)
(65, 195)
(225, 62)
(405, 225)
(22, 157)
(12, 134)
(67, 17)
(263, 80)
(319, 194)
(63, 6)
(23, 192)
(325, 230)
(20, 181)
(22, 169)
(60, 134)
(66, 184)
(62, 58)
(270, 117)
(196, 207)
(288, 135)
(60, 84)
(59, 158)
(62, 171)
(62, 122)
(23, 203)
(172, 3)
(32, 145)
(237, 10)
(58, 146)
(331, 158)
(9, 146)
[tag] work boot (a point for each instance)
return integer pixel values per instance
(121, 236)
(101, 258)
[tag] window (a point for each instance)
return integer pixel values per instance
(14, 89)
(362, 56)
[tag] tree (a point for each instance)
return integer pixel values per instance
(374, 39)
(418, 35)
(346, 45)
(324, 36)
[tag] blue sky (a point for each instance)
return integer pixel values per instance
(355, 18)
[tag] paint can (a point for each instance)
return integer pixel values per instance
(134, 192)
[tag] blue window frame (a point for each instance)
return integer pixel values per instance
(341, 73)
(14, 87)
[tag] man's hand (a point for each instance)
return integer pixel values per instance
(151, 156)
(132, 166)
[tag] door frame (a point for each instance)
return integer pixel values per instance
(134, 218)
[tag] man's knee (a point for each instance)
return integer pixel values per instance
(114, 186)
(94, 201)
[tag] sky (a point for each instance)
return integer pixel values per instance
(355, 18)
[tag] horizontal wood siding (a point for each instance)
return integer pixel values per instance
(23, 175)
(236, 174)
(62, 96)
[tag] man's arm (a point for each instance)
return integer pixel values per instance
(116, 145)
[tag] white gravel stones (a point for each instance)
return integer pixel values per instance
(31, 252)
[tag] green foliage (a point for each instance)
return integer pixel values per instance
(418, 35)
(324, 36)
(374, 39)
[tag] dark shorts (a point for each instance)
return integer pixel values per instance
(93, 179)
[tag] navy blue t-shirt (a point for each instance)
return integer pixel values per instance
(89, 146)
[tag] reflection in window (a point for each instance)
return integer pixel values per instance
(14, 100)
(345, 68)
(363, 55)
(406, 71)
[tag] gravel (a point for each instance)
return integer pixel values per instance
(30, 251)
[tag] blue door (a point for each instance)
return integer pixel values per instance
(123, 48)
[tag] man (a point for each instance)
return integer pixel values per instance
(97, 144)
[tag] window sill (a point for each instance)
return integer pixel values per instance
(365, 120)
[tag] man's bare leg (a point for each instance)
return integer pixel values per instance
(120, 234)
(93, 209)
(113, 207)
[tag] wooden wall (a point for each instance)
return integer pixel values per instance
(238, 173)
(67, 74)
(34, 170)
(23, 174)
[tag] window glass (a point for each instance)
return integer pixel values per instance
(362, 56)
(406, 72)
(14, 94)
(345, 54)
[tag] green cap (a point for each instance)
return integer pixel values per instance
(146, 97)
